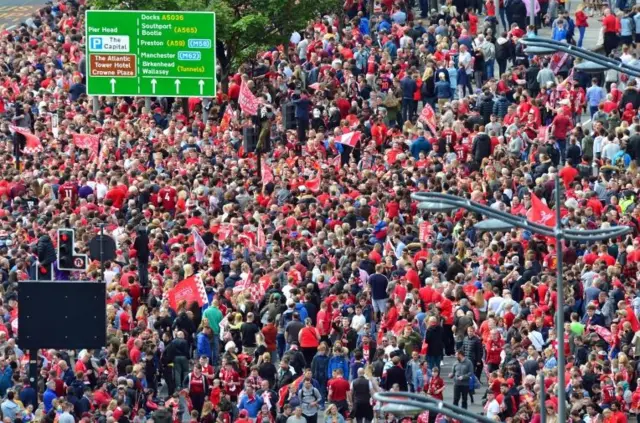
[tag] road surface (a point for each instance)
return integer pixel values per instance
(13, 12)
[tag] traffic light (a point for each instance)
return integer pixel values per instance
(67, 257)
(65, 249)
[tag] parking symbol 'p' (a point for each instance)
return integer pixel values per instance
(96, 43)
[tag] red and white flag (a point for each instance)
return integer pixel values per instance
(267, 174)
(248, 102)
(337, 162)
(313, 185)
(88, 142)
(557, 61)
(33, 144)
(424, 229)
(224, 231)
(350, 138)
(246, 240)
(428, 116)
(389, 248)
(227, 117)
(199, 245)
(540, 213)
(543, 133)
(189, 290)
(261, 238)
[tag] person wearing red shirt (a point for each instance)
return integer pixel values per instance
(611, 26)
(494, 346)
(391, 316)
(568, 174)
(168, 198)
(595, 204)
(116, 195)
(560, 127)
(68, 191)
(338, 388)
(375, 255)
(100, 396)
(436, 385)
(581, 23)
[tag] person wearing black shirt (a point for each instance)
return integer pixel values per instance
(248, 332)
(177, 352)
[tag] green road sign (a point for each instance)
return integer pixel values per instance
(147, 54)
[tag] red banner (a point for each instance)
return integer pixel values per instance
(540, 213)
(33, 144)
(88, 142)
(248, 102)
(425, 228)
(189, 290)
(428, 116)
(313, 185)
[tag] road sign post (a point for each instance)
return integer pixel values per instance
(151, 54)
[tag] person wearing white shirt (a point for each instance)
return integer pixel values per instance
(358, 321)
(492, 407)
(494, 303)
(536, 339)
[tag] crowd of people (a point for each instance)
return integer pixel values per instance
(325, 281)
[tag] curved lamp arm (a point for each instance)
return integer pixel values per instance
(583, 54)
(430, 404)
(521, 222)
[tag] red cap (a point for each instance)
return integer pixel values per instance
(190, 250)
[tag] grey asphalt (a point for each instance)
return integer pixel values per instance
(476, 407)
(13, 12)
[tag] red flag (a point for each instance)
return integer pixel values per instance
(337, 162)
(199, 245)
(248, 102)
(425, 228)
(603, 333)
(389, 248)
(189, 290)
(428, 116)
(33, 144)
(267, 174)
(227, 117)
(261, 238)
(540, 212)
(557, 60)
(224, 231)
(88, 142)
(543, 133)
(350, 138)
(246, 240)
(313, 185)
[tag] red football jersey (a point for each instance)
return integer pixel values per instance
(168, 197)
(450, 136)
(68, 191)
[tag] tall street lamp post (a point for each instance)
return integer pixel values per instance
(439, 202)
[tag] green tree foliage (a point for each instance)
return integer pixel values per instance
(243, 27)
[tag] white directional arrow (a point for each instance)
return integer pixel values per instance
(201, 83)
(153, 86)
(177, 86)
(113, 85)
